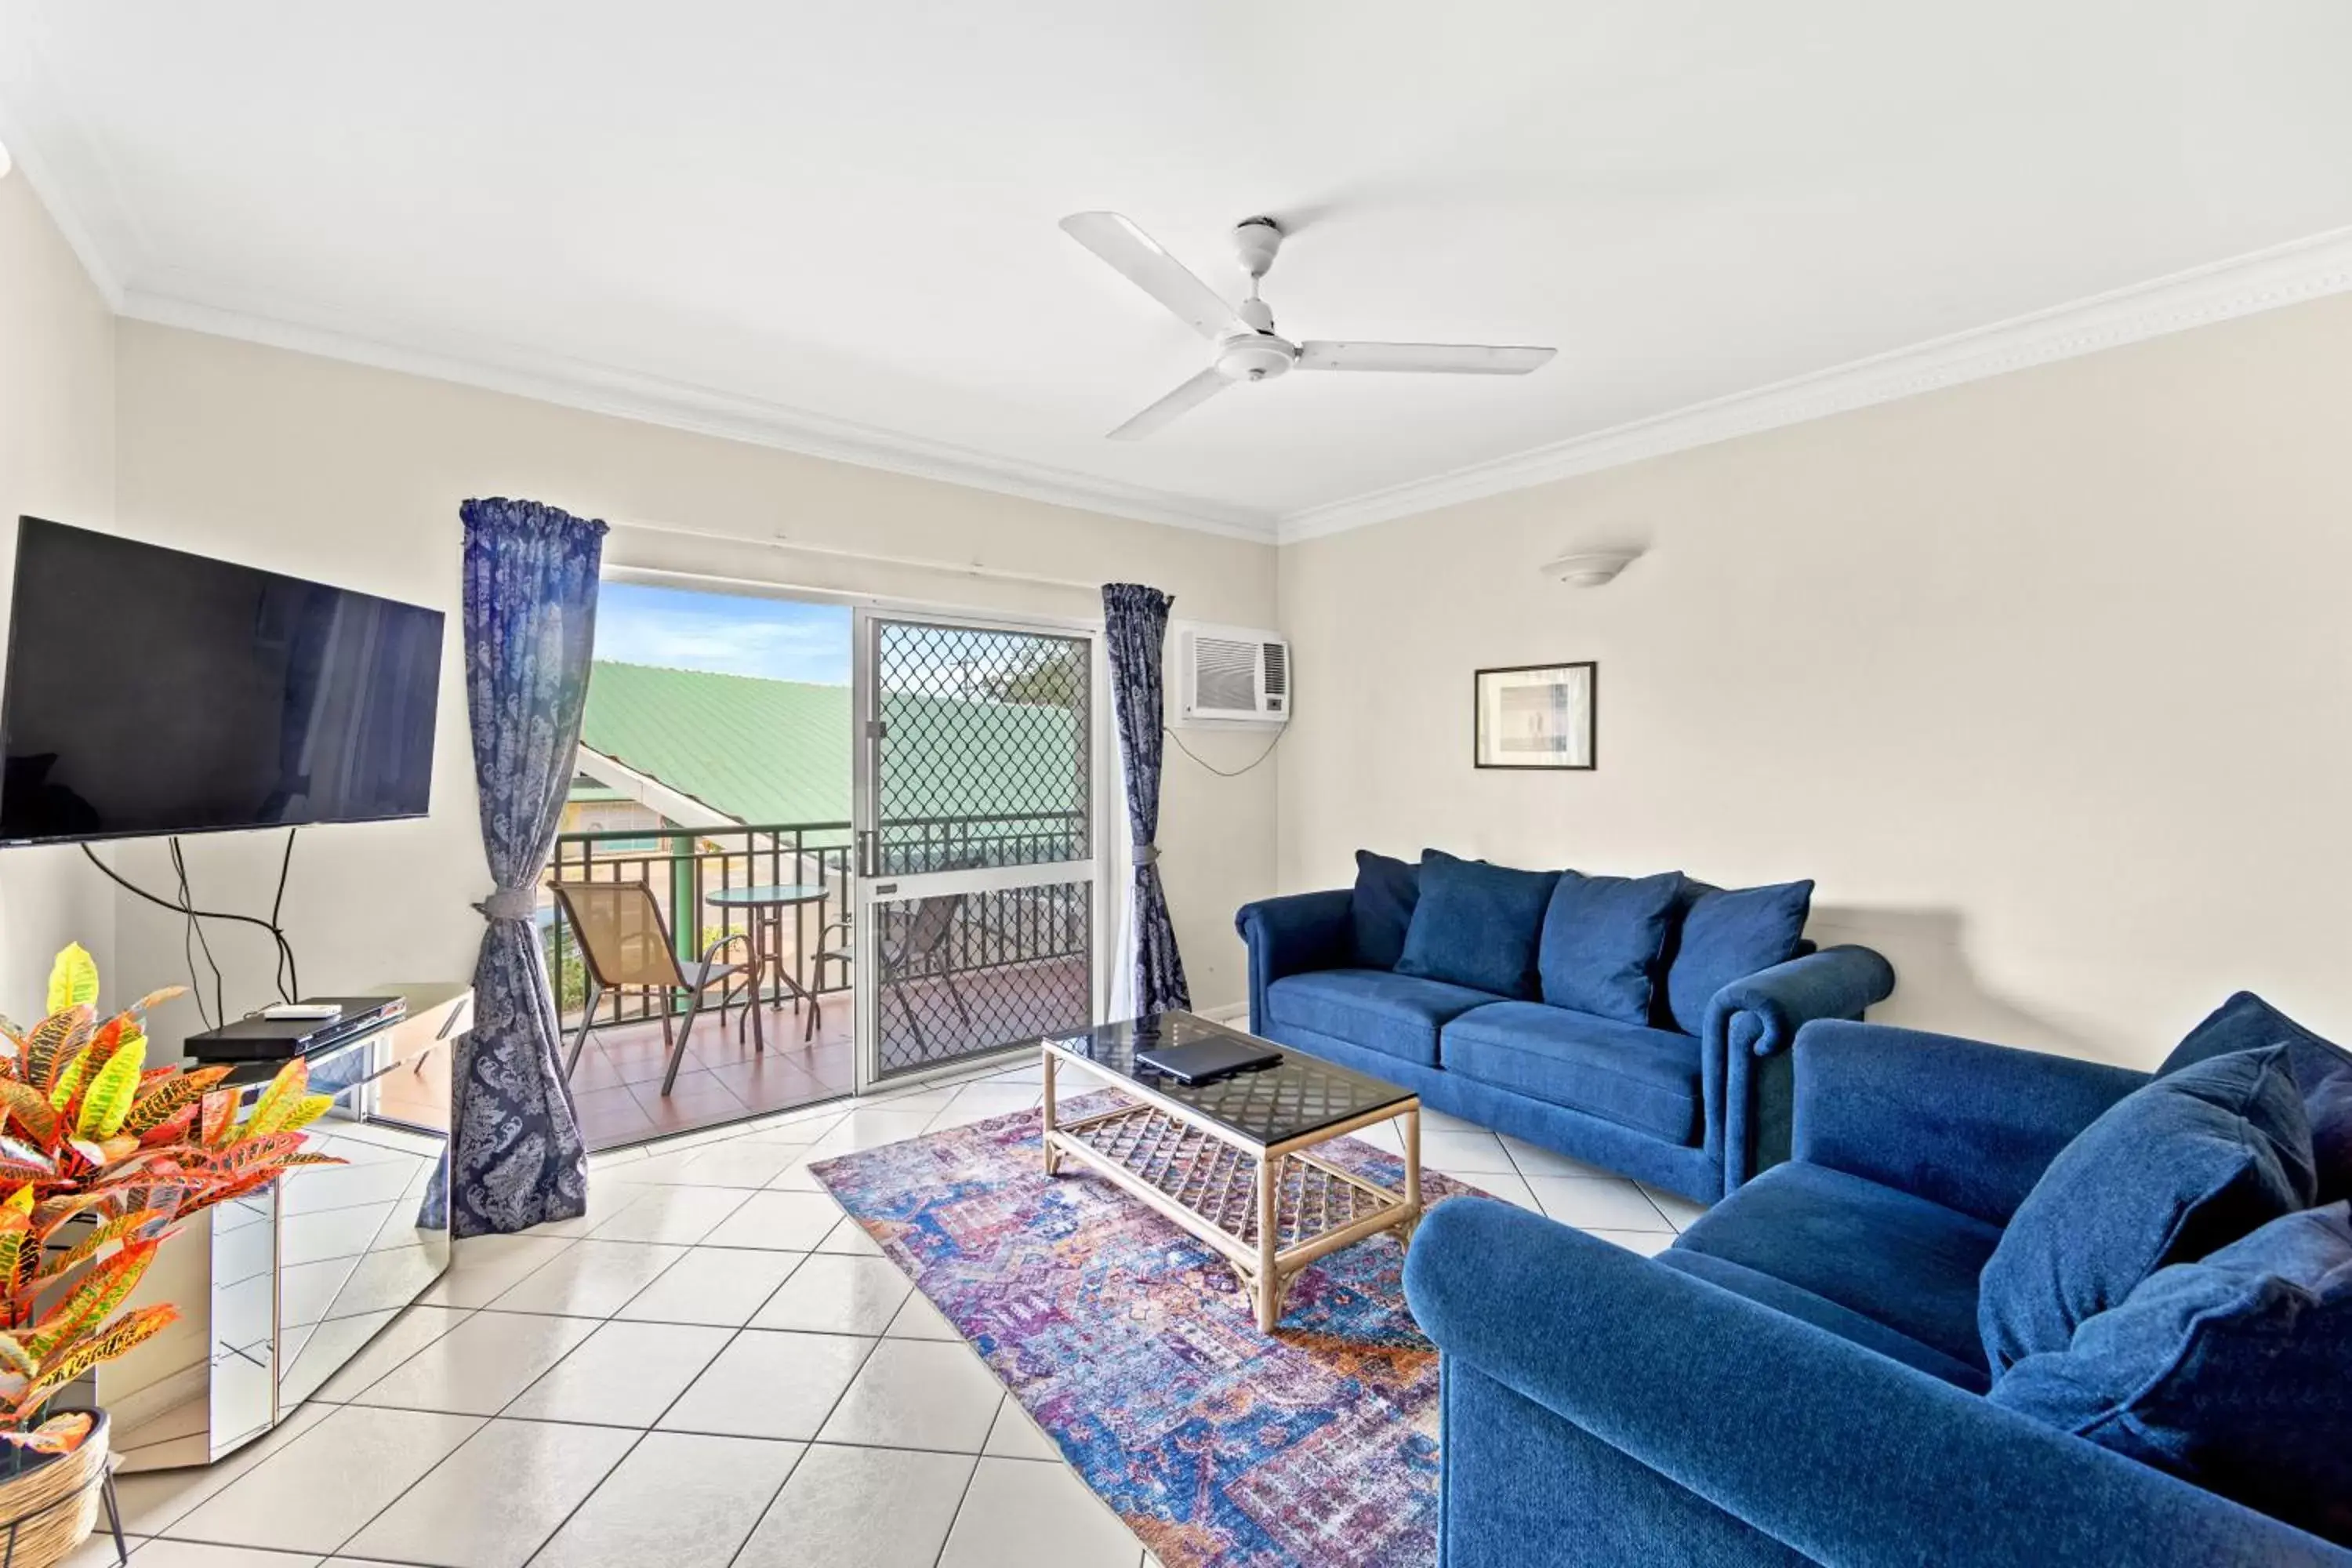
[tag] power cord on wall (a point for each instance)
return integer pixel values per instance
(286, 977)
(1220, 772)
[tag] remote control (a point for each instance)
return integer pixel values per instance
(302, 1010)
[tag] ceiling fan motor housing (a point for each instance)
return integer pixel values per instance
(1254, 356)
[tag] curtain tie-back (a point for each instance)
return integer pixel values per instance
(1146, 854)
(511, 904)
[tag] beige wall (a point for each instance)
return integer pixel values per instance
(2047, 680)
(353, 476)
(56, 460)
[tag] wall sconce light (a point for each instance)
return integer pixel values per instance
(1590, 568)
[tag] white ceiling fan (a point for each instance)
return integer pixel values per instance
(1246, 346)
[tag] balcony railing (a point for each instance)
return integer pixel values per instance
(997, 930)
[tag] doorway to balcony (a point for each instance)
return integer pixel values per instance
(879, 823)
(715, 770)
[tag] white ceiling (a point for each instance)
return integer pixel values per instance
(834, 225)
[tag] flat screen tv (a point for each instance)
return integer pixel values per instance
(151, 691)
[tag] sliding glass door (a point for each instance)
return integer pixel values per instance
(976, 894)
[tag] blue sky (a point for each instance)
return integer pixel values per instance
(730, 634)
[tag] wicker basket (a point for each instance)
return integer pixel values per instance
(49, 1506)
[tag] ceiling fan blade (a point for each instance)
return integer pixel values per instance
(1192, 395)
(1464, 359)
(1144, 263)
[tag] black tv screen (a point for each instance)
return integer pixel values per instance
(154, 691)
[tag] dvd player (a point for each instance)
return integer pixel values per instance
(258, 1038)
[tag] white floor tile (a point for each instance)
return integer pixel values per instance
(1510, 1189)
(679, 1498)
(624, 1375)
(678, 1215)
(834, 1295)
(770, 1384)
(1680, 1211)
(478, 1365)
(1016, 1436)
(312, 1494)
(1385, 1136)
(1022, 1514)
(825, 1516)
(918, 1319)
(1439, 1121)
(917, 1393)
(788, 1222)
(1462, 1154)
(481, 1268)
(722, 1285)
(1648, 1243)
(1535, 1161)
(541, 1471)
(194, 1554)
(849, 1238)
(98, 1551)
(152, 1501)
(738, 1164)
(401, 1338)
(591, 1278)
(1597, 1202)
(870, 1127)
(608, 1193)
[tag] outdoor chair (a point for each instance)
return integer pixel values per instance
(914, 946)
(626, 947)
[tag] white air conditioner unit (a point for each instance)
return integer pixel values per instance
(1231, 675)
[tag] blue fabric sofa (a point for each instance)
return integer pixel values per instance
(1801, 1379)
(1697, 1110)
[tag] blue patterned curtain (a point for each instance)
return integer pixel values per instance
(529, 628)
(1135, 625)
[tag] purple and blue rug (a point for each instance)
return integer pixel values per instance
(1132, 1345)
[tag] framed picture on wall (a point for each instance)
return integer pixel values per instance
(1536, 716)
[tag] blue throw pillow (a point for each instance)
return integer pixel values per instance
(1605, 942)
(1386, 890)
(1476, 924)
(1729, 936)
(2229, 1372)
(2182, 1165)
(2322, 1071)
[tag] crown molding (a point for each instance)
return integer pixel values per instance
(2284, 275)
(699, 410)
(34, 168)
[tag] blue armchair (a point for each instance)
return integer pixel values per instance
(1796, 1380)
(1695, 1113)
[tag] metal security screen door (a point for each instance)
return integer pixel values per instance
(975, 913)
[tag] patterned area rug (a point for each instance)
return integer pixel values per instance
(1135, 1348)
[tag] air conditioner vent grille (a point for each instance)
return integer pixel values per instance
(1227, 674)
(1277, 669)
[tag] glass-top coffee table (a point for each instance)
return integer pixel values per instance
(1230, 1160)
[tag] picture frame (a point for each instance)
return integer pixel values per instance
(1538, 718)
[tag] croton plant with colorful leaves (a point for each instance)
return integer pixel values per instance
(90, 1133)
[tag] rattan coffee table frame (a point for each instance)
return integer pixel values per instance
(1270, 1209)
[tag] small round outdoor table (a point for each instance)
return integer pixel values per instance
(763, 909)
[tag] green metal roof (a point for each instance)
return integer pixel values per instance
(758, 750)
(778, 750)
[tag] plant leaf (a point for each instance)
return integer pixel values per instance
(107, 1104)
(168, 1098)
(16, 1358)
(55, 1036)
(278, 1101)
(118, 1338)
(30, 1108)
(121, 1227)
(73, 979)
(69, 1081)
(96, 1295)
